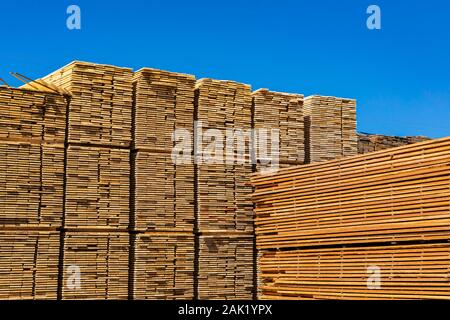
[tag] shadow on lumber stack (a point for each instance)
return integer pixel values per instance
(373, 226)
(32, 134)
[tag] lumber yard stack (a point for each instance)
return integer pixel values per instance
(224, 211)
(283, 112)
(163, 194)
(373, 226)
(331, 128)
(95, 237)
(101, 103)
(32, 134)
(375, 142)
(115, 182)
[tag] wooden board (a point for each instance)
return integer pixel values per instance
(98, 187)
(100, 104)
(102, 259)
(32, 180)
(331, 128)
(28, 264)
(225, 267)
(164, 266)
(401, 194)
(164, 102)
(284, 112)
(32, 116)
(405, 272)
(164, 193)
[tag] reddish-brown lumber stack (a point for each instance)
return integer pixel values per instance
(369, 202)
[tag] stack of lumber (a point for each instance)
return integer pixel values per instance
(223, 104)
(32, 184)
(375, 142)
(164, 193)
(164, 102)
(163, 199)
(225, 267)
(224, 198)
(399, 195)
(331, 128)
(164, 266)
(97, 176)
(224, 214)
(101, 102)
(283, 112)
(32, 116)
(417, 271)
(32, 135)
(28, 264)
(98, 186)
(223, 193)
(102, 259)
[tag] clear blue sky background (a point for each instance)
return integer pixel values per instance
(399, 75)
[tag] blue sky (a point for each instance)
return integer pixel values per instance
(400, 75)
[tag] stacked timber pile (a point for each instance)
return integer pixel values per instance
(164, 102)
(100, 261)
(28, 264)
(375, 142)
(368, 202)
(163, 199)
(97, 188)
(331, 128)
(225, 266)
(407, 272)
(101, 102)
(282, 112)
(224, 208)
(32, 134)
(164, 266)
(95, 234)
(32, 116)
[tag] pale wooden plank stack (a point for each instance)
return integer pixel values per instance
(224, 208)
(32, 133)
(164, 193)
(28, 264)
(32, 177)
(32, 116)
(225, 267)
(284, 112)
(375, 142)
(102, 258)
(101, 102)
(98, 187)
(97, 207)
(164, 102)
(331, 128)
(399, 195)
(164, 250)
(164, 266)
